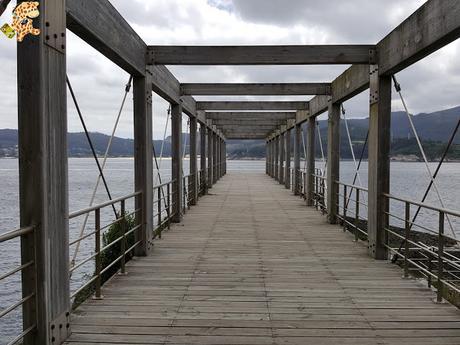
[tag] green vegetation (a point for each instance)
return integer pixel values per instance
(111, 254)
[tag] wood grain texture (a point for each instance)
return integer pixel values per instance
(252, 265)
(258, 89)
(259, 55)
(252, 105)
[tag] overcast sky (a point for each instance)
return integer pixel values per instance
(432, 84)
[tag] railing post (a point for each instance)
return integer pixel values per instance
(210, 155)
(203, 157)
(297, 143)
(333, 161)
(357, 214)
(159, 210)
(310, 159)
(277, 155)
(97, 246)
(287, 168)
(440, 284)
(169, 206)
(406, 238)
(176, 134)
(282, 155)
(344, 221)
(193, 190)
(143, 164)
(43, 175)
(379, 162)
(123, 237)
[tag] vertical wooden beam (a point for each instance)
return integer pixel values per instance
(277, 155)
(310, 159)
(193, 161)
(143, 164)
(287, 168)
(281, 158)
(379, 161)
(333, 160)
(210, 157)
(267, 157)
(215, 157)
(176, 153)
(203, 157)
(43, 176)
(297, 143)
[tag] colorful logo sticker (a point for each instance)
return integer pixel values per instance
(23, 16)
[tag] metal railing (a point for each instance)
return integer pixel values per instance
(27, 297)
(351, 200)
(162, 206)
(123, 218)
(319, 190)
(434, 256)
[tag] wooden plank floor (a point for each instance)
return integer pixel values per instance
(251, 264)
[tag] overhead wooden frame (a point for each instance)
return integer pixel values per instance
(261, 55)
(255, 89)
(252, 105)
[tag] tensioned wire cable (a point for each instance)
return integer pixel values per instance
(104, 161)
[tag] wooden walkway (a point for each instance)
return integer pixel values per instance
(251, 264)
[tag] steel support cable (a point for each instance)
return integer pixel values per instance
(351, 147)
(104, 161)
(323, 171)
(93, 151)
(359, 163)
(414, 218)
(162, 144)
(422, 151)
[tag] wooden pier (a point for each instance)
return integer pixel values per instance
(253, 265)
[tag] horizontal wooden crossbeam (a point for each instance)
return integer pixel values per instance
(252, 105)
(260, 55)
(250, 115)
(255, 89)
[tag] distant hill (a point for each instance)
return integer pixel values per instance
(434, 129)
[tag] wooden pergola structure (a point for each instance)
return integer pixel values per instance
(43, 123)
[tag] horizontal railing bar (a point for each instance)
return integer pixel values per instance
(15, 305)
(105, 204)
(16, 233)
(84, 286)
(423, 205)
(17, 269)
(22, 335)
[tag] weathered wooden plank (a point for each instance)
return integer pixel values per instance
(43, 176)
(143, 166)
(246, 89)
(260, 55)
(434, 25)
(229, 275)
(99, 24)
(252, 105)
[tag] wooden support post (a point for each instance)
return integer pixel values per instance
(176, 153)
(225, 158)
(281, 159)
(267, 157)
(214, 158)
(193, 161)
(297, 143)
(333, 161)
(143, 164)
(379, 161)
(203, 158)
(311, 135)
(287, 168)
(210, 158)
(43, 177)
(277, 155)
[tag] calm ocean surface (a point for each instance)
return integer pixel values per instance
(407, 180)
